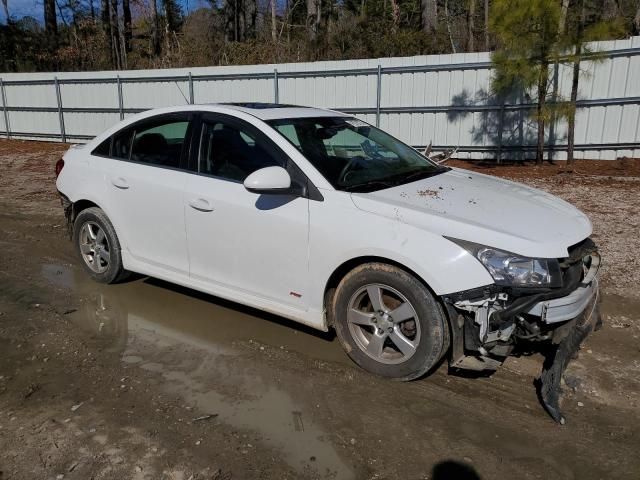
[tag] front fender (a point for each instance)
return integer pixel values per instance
(340, 233)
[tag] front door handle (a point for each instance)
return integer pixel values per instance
(120, 183)
(201, 204)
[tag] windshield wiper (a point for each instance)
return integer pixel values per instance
(421, 174)
(365, 185)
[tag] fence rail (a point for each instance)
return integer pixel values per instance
(485, 118)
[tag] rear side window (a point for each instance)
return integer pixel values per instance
(160, 144)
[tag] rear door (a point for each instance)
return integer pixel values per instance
(145, 179)
(257, 244)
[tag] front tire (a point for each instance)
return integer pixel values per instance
(388, 322)
(98, 246)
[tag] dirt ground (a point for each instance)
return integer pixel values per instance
(145, 380)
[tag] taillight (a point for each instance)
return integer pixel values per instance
(59, 166)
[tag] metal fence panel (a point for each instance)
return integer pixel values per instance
(444, 99)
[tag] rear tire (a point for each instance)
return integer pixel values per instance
(388, 322)
(98, 246)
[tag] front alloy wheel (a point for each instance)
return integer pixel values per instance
(383, 323)
(389, 322)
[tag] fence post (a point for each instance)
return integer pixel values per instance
(191, 95)
(276, 91)
(6, 112)
(63, 134)
(378, 95)
(120, 99)
(500, 128)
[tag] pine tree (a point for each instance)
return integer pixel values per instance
(527, 32)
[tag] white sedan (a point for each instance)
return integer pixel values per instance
(326, 220)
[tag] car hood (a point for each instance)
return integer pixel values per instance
(483, 209)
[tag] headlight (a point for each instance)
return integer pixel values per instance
(514, 270)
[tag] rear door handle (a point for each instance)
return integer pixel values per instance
(120, 183)
(201, 204)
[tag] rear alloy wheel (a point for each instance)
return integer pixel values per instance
(98, 246)
(389, 322)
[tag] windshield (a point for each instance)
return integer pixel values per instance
(354, 156)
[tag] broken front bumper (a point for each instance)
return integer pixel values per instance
(582, 308)
(487, 326)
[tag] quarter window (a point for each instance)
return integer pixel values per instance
(121, 147)
(233, 153)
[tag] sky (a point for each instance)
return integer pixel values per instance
(34, 8)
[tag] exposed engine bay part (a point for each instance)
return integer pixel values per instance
(441, 157)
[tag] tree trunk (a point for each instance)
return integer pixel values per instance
(155, 29)
(543, 80)
(571, 121)
(105, 18)
(486, 25)
(429, 15)
(448, 22)
(562, 22)
(115, 35)
(274, 30)
(313, 18)
(636, 21)
(5, 7)
(50, 20)
(470, 20)
(395, 16)
(126, 18)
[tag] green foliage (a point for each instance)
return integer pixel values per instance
(527, 35)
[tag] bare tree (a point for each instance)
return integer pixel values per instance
(126, 22)
(395, 16)
(114, 31)
(50, 19)
(448, 23)
(6, 9)
(274, 29)
(155, 29)
(636, 20)
(486, 25)
(429, 13)
(314, 17)
(471, 13)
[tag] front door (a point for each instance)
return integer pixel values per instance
(255, 244)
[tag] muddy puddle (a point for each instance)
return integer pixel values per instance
(151, 312)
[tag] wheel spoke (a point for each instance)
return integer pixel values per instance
(90, 233)
(402, 313)
(86, 249)
(106, 256)
(405, 345)
(100, 236)
(375, 296)
(359, 318)
(376, 345)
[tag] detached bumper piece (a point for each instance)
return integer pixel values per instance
(566, 344)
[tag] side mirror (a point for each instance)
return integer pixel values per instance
(269, 180)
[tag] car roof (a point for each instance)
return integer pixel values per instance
(274, 111)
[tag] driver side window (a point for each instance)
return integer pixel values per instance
(233, 153)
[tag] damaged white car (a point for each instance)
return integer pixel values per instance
(326, 220)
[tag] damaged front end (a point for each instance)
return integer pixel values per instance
(488, 324)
